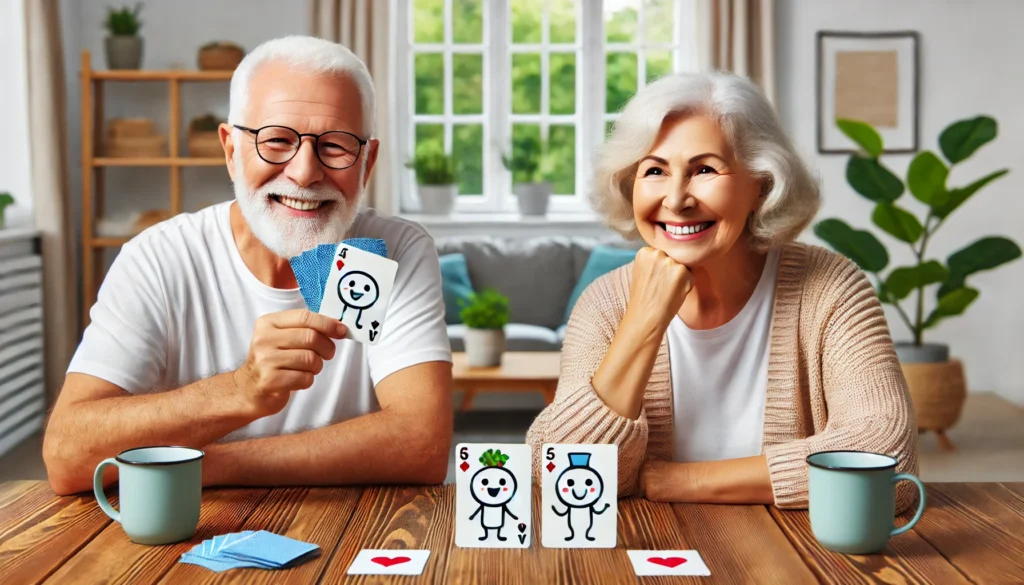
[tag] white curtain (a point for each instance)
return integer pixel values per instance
(363, 27)
(50, 185)
(739, 36)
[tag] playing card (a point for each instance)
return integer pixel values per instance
(358, 292)
(579, 496)
(389, 562)
(493, 489)
(648, 563)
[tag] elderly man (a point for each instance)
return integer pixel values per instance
(199, 336)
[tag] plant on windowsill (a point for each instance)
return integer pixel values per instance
(5, 200)
(937, 384)
(124, 45)
(485, 315)
(532, 168)
(436, 180)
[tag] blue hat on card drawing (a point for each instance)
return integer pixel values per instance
(579, 459)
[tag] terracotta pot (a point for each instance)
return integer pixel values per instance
(938, 391)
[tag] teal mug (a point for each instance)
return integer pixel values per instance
(160, 490)
(852, 500)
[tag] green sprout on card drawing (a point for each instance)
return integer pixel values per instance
(493, 458)
(927, 181)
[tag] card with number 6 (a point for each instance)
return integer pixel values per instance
(493, 490)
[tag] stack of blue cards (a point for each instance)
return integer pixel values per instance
(313, 266)
(249, 550)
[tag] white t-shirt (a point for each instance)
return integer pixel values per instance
(719, 379)
(179, 305)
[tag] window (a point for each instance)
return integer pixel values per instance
(487, 78)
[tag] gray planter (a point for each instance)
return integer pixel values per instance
(927, 353)
(484, 347)
(533, 198)
(437, 199)
(124, 52)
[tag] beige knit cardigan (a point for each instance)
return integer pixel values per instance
(834, 381)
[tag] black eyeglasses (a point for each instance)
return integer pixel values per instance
(277, 145)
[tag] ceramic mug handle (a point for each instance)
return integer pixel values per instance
(97, 490)
(920, 504)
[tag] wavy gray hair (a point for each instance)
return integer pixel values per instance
(753, 130)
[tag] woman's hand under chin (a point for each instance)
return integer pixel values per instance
(658, 289)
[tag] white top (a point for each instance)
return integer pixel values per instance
(179, 305)
(719, 378)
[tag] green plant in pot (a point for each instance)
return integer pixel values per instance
(927, 365)
(436, 180)
(124, 45)
(532, 168)
(485, 315)
(5, 200)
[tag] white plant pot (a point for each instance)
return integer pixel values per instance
(437, 199)
(484, 347)
(533, 198)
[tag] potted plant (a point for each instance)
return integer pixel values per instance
(220, 56)
(436, 180)
(203, 140)
(5, 200)
(485, 315)
(936, 382)
(531, 167)
(124, 45)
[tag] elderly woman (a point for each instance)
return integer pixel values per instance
(726, 353)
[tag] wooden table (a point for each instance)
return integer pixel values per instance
(529, 371)
(971, 533)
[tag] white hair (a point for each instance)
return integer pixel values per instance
(753, 130)
(308, 54)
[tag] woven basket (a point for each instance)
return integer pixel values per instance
(220, 58)
(204, 144)
(938, 392)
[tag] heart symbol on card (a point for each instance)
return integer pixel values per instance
(340, 264)
(390, 561)
(670, 562)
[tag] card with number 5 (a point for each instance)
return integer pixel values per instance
(358, 292)
(579, 496)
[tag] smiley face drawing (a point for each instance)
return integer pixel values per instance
(579, 486)
(493, 487)
(358, 290)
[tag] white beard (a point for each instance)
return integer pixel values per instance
(288, 236)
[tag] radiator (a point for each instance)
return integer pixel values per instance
(22, 389)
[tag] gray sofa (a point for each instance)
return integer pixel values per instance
(536, 274)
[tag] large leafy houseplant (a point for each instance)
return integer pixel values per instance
(927, 181)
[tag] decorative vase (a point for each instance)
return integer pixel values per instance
(484, 347)
(124, 52)
(938, 387)
(533, 198)
(437, 199)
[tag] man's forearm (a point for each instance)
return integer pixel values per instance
(89, 431)
(382, 447)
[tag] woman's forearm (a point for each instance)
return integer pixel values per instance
(731, 481)
(622, 378)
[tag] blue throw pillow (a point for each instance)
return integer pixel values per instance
(455, 285)
(603, 259)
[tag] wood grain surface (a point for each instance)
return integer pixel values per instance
(970, 533)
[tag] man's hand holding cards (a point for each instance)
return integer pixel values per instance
(352, 284)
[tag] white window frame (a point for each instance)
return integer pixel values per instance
(497, 119)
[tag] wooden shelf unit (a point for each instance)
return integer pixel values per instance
(93, 167)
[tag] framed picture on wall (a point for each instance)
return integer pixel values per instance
(872, 77)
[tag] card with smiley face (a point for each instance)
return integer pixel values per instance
(358, 291)
(493, 491)
(579, 496)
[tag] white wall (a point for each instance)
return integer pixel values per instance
(970, 64)
(172, 33)
(15, 173)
